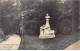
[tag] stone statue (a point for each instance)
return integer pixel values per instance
(45, 31)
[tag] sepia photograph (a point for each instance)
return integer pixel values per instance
(39, 24)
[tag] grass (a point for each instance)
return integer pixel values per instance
(60, 42)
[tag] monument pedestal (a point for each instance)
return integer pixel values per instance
(45, 31)
(46, 36)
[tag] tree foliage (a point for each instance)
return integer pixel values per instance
(34, 16)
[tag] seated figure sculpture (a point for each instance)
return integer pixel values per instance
(45, 31)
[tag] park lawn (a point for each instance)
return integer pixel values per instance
(60, 42)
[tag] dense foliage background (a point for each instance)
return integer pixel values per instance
(34, 15)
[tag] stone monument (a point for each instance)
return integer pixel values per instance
(45, 31)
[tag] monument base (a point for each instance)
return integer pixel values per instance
(45, 31)
(46, 36)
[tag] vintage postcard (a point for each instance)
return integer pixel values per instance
(39, 24)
